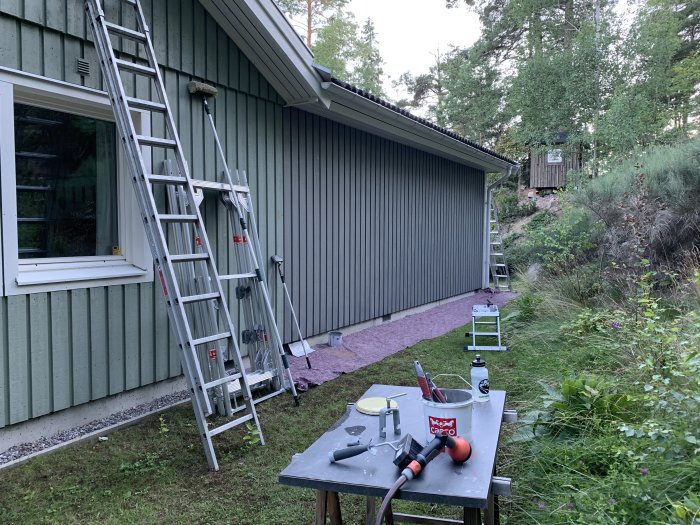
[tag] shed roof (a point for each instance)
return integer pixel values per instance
(267, 38)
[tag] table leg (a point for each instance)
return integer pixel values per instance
(371, 510)
(472, 516)
(371, 515)
(489, 512)
(389, 516)
(333, 502)
(321, 507)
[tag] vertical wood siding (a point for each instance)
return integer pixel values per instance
(65, 348)
(544, 175)
(373, 227)
(358, 219)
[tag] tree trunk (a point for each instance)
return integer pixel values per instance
(309, 24)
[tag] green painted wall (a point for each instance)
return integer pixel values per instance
(367, 227)
(65, 348)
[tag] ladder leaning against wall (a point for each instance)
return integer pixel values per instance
(183, 257)
(498, 266)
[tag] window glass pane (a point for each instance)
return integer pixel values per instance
(66, 184)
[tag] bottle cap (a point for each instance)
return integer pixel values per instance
(478, 361)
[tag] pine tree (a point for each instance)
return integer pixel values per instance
(367, 73)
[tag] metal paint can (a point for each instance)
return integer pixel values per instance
(335, 339)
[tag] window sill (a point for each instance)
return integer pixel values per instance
(50, 277)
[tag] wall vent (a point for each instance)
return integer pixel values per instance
(386, 318)
(82, 67)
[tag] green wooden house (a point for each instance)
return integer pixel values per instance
(374, 210)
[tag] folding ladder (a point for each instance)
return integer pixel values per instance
(487, 316)
(202, 344)
(497, 257)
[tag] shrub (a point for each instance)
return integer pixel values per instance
(510, 210)
(649, 205)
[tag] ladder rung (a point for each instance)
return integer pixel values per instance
(189, 257)
(497, 254)
(135, 68)
(201, 297)
(230, 424)
(177, 217)
(500, 265)
(156, 141)
(125, 31)
(211, 185)
(211, 338)
(254, 379)
(221, 381)
(477, 334)
(219, 186)
(167, 179)
(149, 105)
(237, 276)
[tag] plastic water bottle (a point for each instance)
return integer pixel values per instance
(480, 380)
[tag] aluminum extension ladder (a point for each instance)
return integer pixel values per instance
(498, 265)
(258, 330)
(198, 342)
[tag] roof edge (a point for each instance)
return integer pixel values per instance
(423, 131)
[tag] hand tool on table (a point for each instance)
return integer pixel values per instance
(405, 449)
(435, 393)
(458, 449)
(422, 381)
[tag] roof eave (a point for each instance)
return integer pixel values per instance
(363, 113)
(263, 33)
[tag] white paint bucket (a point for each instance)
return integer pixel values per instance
(453, 418)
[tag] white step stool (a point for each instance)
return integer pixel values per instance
(486, 314)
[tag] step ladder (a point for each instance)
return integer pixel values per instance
(198, 310)
(498, 266)
(486, 323)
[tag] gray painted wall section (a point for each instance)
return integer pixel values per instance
(358, 218)
(374, 227)
(65, 348)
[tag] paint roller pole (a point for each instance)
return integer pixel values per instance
(205, 90)
(277, 261)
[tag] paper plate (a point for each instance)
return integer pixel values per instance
(372, 405)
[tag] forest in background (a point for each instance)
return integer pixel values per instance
(613, 76)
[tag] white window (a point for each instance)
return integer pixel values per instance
(554, 156)
(70, 217)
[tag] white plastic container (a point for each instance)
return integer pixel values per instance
(453, 418)
(480, 380)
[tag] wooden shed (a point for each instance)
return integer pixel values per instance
(549, 166)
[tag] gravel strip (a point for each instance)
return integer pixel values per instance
(26, 449)
(364, 347)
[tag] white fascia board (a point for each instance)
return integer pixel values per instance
(362, 113)
(263, 33)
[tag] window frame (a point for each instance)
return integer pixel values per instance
(23, 276)
(556, 153)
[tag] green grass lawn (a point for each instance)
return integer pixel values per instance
(155, 471)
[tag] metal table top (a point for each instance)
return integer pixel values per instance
(441, 482)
